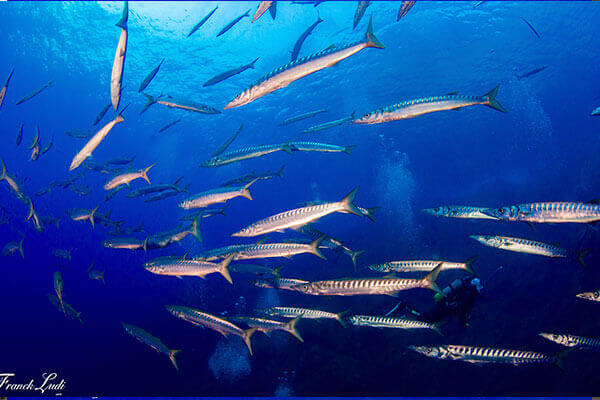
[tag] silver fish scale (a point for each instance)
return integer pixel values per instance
(379, 285)
(514, 356)
(578, 341)
(185, 265)
(316, 145)
(280, 283)
(388, 322)
(264, 324)
(296, 311)
(291, 214)
(199, 318)
(561, 209)
(423, 100)
(415, 266)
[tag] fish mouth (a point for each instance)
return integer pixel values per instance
(428, 211)
(418, 349)
(479, 238)
(237, 234)
(547, 336)
(490, 212)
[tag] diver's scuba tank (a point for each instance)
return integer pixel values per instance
(455, 286)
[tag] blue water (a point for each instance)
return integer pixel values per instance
(544, 149)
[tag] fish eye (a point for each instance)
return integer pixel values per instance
(554, 336)
(501, 211)
(429, 350)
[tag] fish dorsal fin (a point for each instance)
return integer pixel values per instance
(594, 201)
(391, 275)
(451, 94)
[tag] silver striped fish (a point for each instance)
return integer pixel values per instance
(579, 342)
(376, 321)
(188, 267)
(369, 286)
(485, 355)
(268, 250)
(245, 154)
(521, 245)
(308, 313)
(422, 266)
(298, 217)
(467, 212)
(152, 341)
(292, 71)
(321, 147)
(220, 325)
(425, 105)
(591, 296)
(278, 283)
(549, 212)
(214, 196)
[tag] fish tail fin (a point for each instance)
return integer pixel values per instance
(21, 248)
(92, 216)
(172, 354)
(145, 245)
(429, 280)
(348, 203)
(251, 65)
(245, 192)
(123, 21)
(348, 149)
(9, 76)
(372, 40)
(340, 317)
(287, 147)
(177, 181)
(247, 336)
(370, 213)
(491, 100)
(468, 265)
(559, 358)
(120, 115)
(276, 270)
(145, 173)
(195, 229)
(280, 172)
(30, 214)
(223, 268)
(436, 328)
(354, 255)
(3, 175)
(291, 328)
(314, 247)
(580, 255)
(102, 278)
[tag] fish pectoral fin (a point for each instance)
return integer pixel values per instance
(178, 277)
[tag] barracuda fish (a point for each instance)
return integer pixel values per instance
(301, 40)
(199, 108)
(246, 153)
(13, 247)
(328, 125)
(232, 23)
(79, 214)
(228, 74)
(215, 196)
(37, 224)
(309, 313)
(369, 286)
(91, 145)
(405, 7)
(360, 11)
(549, 212)
(262, 7)
(126, 243)
(128, 177)
(591, 296)
(202, 21)
(486, 355)
(283, 76)
(220, 325)
(151, 100)
(521, 245)
(167, 238)
(225, 145)
(5, 87)
(101, 114)
(150, 76)
(573, 341)
(188, 267)
(531, 27)
(13, 184)
(61, 253)
(81, 190)
(35, 153)
(302, 116)
(532, 72)
(121, 161)
(223, 252)
(167, 126)
(414, 108)
(254, 176)
(375, 321)
(466, 212)
(267, 326)
(321, 147)
(80, 133)
(95, 275)
(205, 213)
(298, 217)
(116, 76)
(45, 149)
(268, 250)
(162, 196)
(255, 269)
(596, 111)
(32, 95)
(69, 310)
(152, 341)
(19, 138)
(278, 283)
(36, 139)
(58, 288)
(422, 266)
(153, 189)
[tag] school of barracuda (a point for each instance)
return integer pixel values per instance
(222, 261)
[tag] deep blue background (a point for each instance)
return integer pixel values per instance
(545, 149)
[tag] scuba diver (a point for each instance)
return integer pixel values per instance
(457, 300)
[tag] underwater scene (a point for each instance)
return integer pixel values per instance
(300, 198)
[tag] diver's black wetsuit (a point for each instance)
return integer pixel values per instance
(459, 301)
